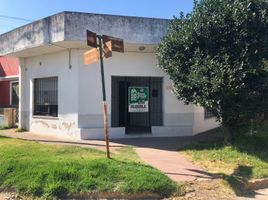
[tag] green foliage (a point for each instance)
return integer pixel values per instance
(217, 56)
(4, 127)
(20, 130)
(51, 171)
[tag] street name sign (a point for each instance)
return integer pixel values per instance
(91, 39)
(91, 56)
(107, 49)
(117, 43)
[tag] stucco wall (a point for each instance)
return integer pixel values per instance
(80, 95)
(200, 123)
(52, 65)
(127, 64)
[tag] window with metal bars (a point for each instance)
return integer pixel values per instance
(208, 114)
(46, 96)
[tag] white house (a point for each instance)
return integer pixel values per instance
(61, 96)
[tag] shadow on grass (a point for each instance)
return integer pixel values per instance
(256, 146)
(3, 137)
(237, 181)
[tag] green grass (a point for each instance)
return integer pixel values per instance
(246, 159)
(53, 171)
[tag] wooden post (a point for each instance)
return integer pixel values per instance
(105, 115)
(110, 44)
(106, 130)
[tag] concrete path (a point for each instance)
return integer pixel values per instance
(259, 195)
(173, 164)
(163, 154)
(96, 144)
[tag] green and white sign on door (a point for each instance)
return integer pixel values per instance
(138, 99)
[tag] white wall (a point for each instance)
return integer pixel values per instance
(200, 123)
(127, 64)
(80, 95)
(52, 65)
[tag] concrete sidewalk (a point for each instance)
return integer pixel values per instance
(171, 163)
(96, 144)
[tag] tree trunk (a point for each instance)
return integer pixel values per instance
(227, 134)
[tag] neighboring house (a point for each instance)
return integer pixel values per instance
(62, 96)
(9, 80)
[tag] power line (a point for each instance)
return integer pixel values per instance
(16, 18)
(12, 21)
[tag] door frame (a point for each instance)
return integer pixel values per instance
(126, 113)
(10, 91)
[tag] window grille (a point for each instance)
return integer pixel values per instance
(208, 114)
(46, 96)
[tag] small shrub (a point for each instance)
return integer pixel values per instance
(5, 127)
(20, 130)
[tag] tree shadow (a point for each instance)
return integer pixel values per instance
(3, 137)
(255, 145)
(237, 181)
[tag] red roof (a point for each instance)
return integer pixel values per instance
(9, 66)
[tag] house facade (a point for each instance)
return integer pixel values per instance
(9, 80)
(61, 96)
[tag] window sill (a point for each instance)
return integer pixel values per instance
(45, 117)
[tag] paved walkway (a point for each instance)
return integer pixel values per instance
(259, 195)
(173, 164)
(162, 153)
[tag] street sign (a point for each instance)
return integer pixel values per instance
(103, 49)
(138, 99)
(117, 43)
(91, 39)
(91, 56)
(107, 49)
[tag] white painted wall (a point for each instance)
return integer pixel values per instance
(127, 64)
(80, 95)
(200, 123)
(52, 65)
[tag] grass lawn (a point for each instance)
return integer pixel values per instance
(54, 171)
(246, 159)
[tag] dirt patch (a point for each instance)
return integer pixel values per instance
(206, 190)
(11, 196)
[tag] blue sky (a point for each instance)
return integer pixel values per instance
(37, 9)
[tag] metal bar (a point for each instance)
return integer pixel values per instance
(105, 115)
(150, 124)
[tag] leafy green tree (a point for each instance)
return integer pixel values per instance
(217, 56)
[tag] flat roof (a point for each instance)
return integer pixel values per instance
(69, 29)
